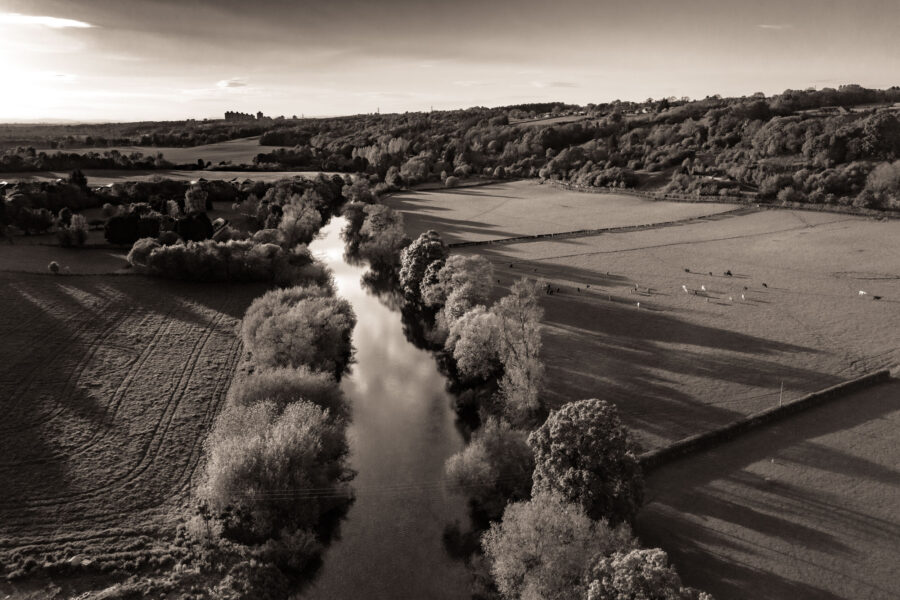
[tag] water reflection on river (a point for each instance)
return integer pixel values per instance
(403, 430)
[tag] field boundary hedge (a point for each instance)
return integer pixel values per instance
(590, 232)
(710, 439)
(744, 200)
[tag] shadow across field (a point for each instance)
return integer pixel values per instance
(771, 514)
(598, 343)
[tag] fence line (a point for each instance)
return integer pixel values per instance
(710, 439)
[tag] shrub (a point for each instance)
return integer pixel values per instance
(74, 234)
(474, 342)
(451, 181)
(641, 574)
(300, 327)
(299, 223)
(585, 454)
(541, 549)
(140, 252)
(415, 259)
(494, 468)
(286, 385)
(122, 230)
(53, 267)
(260, 462)
(235, 260)
(251, 580)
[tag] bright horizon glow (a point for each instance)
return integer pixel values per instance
(52, 22)
(121, 60)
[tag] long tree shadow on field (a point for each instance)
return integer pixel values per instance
(597, 343)
(718, 488)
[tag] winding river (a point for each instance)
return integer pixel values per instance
(390, 544)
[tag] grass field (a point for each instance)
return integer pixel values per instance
(238, 152)
(105, 177)
(680, 364)
(528, 208)
(109, 385)
(803, 510)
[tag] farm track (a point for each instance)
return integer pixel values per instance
(111, 385)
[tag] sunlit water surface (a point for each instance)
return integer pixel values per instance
(390, 544)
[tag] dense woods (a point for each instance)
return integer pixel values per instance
(832, 146)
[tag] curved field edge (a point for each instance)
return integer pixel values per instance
(110, 385)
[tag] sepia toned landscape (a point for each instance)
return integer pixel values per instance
(590, 301)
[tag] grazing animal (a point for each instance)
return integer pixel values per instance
(742, 298)
(746, 288)
(589, 286)
(687, 270)
(730, 299)
(876, 297)
(638, 304)
(710, 272)
(728, 273)
(765, 286)
(684, 287)
(862, 293)
(703, 288)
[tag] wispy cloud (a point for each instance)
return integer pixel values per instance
(776, 26)
(41, 21)
(554, 84)
(234, 82)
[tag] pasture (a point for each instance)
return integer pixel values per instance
(527, 208)
(110, 385)
(683, 363)
(805, 509)
(239, 152)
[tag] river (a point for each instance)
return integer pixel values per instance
(390, 544)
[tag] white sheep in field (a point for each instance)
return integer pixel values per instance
(703, 288)
(862, 293)
(684, 287)
(742, 298)
(638, 304)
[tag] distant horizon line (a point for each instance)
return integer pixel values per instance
(58, 121)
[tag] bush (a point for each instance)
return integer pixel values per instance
(451, 181)
(251, 580)
(286, 385)
(300, 327)
(260, 461)
(140, 252)
(474, 342)
(235, 260)
(416, 258)
(494, 468)
(53, 267)
(74, 234)
(541, 549)
(639, 574)
(585, 454)
(122, 230)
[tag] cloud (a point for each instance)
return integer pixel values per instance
(234, 82)
(554, 84)
(776, 27)
(41, 21)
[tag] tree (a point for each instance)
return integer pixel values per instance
(382, 236)
(195, 200)
(260, 460)
(299, 222)
(494, 468)
(300, 327)
(415, 259)
(641, 574)
(473, 341)
(519, 348)
(469, 278)
(585, 454)
(542, 548)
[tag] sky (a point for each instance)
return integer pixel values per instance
(127, 60)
